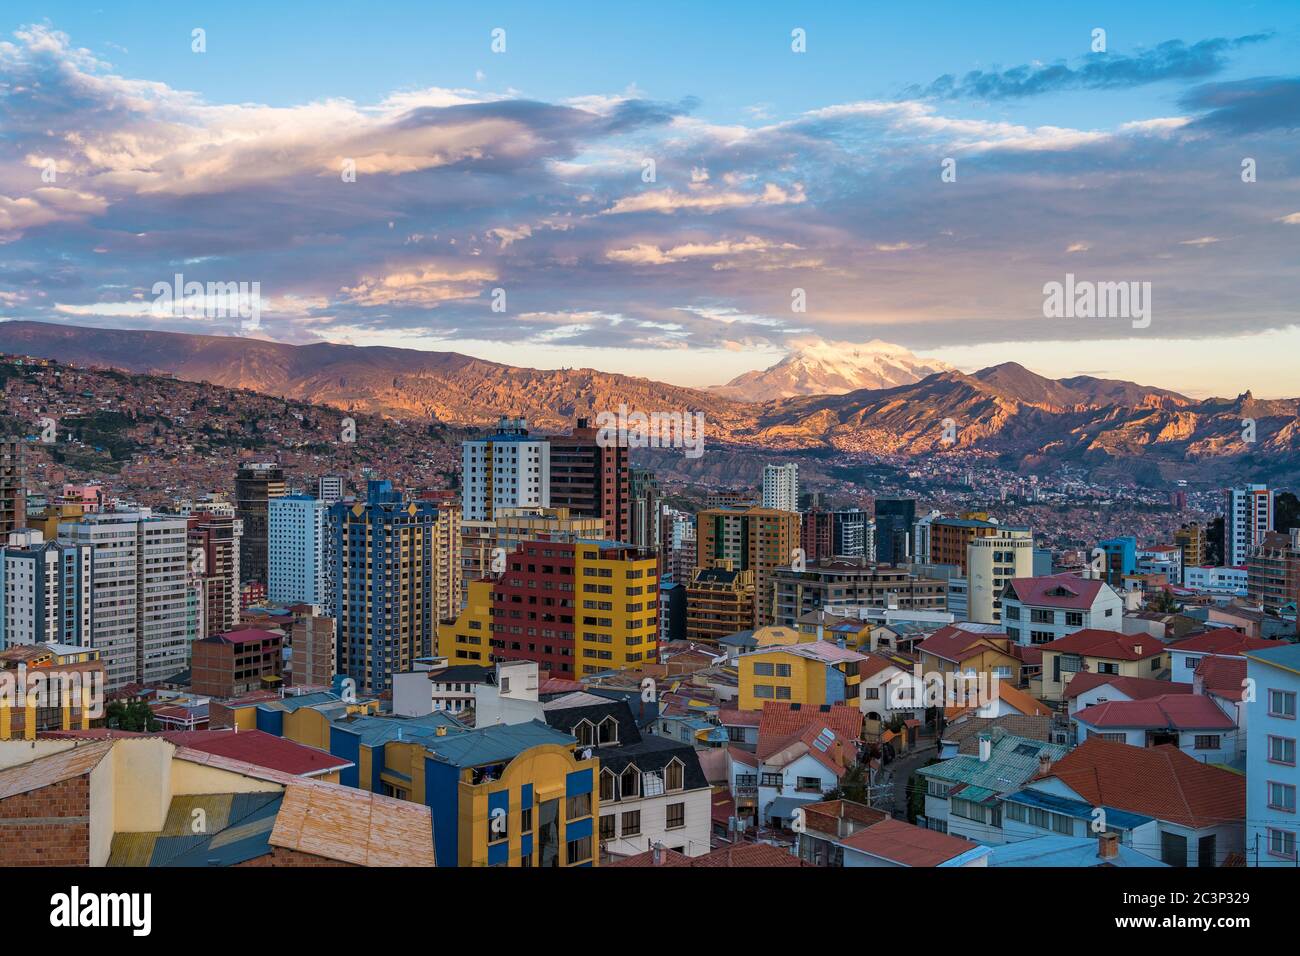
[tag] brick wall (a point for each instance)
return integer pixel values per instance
(47, 827)
(280, 856)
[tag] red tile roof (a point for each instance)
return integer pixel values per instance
(1112, 645)
(749, 855)
(908, 845)
(245, 636)
(780, 721)
(1057, 590)
(1174, 711)
(667, 857)
(1161, 782)
(1134, 688)
(739, 718)
(1223, 640)
(1222, 676)
(952, 643)
(259, 749)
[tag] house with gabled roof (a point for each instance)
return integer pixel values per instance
(964, 794)
(1098, 652)
(1162, 802)
(1193, 723)
(1186, 655)
(1044, 609)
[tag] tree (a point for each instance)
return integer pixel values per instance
(131, 715)
(853, 785)
(1286, 512)
(1165, 603)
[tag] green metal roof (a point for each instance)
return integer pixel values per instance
(473, 748)
(1013, 760)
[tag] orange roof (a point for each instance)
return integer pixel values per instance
(908, 845)
(782, 721)
(342, 823)
(1161, 782)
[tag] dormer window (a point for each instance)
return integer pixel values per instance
(608, 786)
(675, 775)
(630, 784)
(585, 732)
(609, 731)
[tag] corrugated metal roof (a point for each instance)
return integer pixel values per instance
(1012, 761)
(494, 744)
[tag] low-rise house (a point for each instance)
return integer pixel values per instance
(1058, 851)
(652, 790)
(1090, 687)
(1099, 652)
(1162, 803)
(1044, 609)
(1186, 655)
(964, 795)
(1194, 724)
(971, 649)
(841, 833)
(813, 673)
(962, 735)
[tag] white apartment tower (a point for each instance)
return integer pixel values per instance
(297, 526)
(141, 602)
(1249, 517)
(507, 469)
(781, 487)
(45, 591)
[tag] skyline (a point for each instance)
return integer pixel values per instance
(520, 171)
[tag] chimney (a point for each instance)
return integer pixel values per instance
(986, 747)
(1044, 763)
(440, 732)
(1107, 845)
(1137, 648)
(656, 853)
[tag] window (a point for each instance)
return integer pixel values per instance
(630, 783)
(579, 851)
(575, 808)
(676, 816)
(608, 785)
(1281, 843)
(807, 783)
(1190, 662)
(675, 776)
(1207, 741)
(609, 731)
(1037, 616)
(1281, 750)
(1074, 619)
(607, 824)
(772, 780)
(937, 788)
(762, 670)
(1281, 796)
(585, 733)
(526, 820)
(632, 823)
(1281, 703)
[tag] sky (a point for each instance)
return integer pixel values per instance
(673, 190)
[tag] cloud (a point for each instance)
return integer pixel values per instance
(1171, 60)
(1247, 106)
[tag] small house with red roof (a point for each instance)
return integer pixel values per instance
(1094, 651)
(1186, 655)
(1193, 723)
(1044, 609)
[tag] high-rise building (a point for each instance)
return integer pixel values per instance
(894, 520)
(781, 487)
(827, 534)
(1248, 518)
(574, 608)
(255, 485)
(591, 478)
(1120, 559)
(950, 536)
(330, 488)
(1190, 538)
(677, 547)
(47, 590)
(991, 562)
(754, 539)
(732, 498)
(13, 484)
(645, 499)
(1273, 571)
(296, 531)
(506, 469)
(384, 572)
(140, 599)
(217, 538)
(719, 601)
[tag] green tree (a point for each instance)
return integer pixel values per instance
(131, 715)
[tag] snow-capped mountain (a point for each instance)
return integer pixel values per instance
(819, 367)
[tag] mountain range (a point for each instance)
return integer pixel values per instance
(1121, 428)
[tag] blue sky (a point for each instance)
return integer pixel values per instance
(775, 171)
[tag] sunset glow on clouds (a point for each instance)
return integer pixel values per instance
(110, 182)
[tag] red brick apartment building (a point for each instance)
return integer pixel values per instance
(237, 662)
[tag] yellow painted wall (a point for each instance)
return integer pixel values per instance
(547, 768)
(807, 680)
